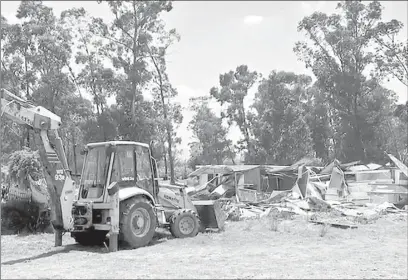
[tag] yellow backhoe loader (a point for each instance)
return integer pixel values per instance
(119, 197)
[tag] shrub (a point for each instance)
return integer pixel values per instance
(25, 162)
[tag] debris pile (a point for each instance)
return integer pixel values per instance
(343, 195)
(338, 214)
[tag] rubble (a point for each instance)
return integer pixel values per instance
(342, 195)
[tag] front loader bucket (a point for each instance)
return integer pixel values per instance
(210, 213)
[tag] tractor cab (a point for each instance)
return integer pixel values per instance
(128, 164)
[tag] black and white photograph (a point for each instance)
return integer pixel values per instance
(204, 139)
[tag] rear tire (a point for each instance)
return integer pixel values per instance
(90, 238)
(137, 222)
(184, 223)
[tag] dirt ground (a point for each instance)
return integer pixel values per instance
(247, 249)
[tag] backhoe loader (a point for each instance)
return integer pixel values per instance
(119, 197)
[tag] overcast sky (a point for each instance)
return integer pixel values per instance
(218, 36)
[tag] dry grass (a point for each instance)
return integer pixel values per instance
(248, 249)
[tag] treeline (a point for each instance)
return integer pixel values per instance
(346, 113)
(120, 60)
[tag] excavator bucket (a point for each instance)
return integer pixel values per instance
(210, 213)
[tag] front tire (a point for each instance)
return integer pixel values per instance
(137, 222)
(184, 223)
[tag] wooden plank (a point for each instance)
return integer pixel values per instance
(336, 224)
(391, 197)
(358, 195)
(387, 192)
(399, 164)
(373, 176)
(366, 171)
(388, 184)
(359, 188)
(390, 188)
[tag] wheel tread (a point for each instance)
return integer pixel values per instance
(125, 208)
(180, 212)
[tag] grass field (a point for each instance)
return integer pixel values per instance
(247, 249)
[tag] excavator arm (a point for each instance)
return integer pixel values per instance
(45, 125)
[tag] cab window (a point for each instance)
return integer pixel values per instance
(143, 168)
(123, 165)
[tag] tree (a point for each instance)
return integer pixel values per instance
(211, 145)
(163, 91)
(133, 30)
(76, 112)
(100, 81)
(338, 51)
(36, 56)
(128, 42)
(280, 129)
(401, 131)
(391, 55)
(320, 121)
(11, 71)
(234, 87)
(50, 47)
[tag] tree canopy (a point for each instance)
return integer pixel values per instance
(110, 81)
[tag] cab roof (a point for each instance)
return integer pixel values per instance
(116, 143)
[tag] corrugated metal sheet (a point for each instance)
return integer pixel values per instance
(222, 169)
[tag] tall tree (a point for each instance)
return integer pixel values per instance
(94, 77)
(280, 129)
(11, 73)
(391, 54)
(211, 145)
(400, 132)
(234, 87)
(338, 51)
(320, 121)
(37, 52)
(135, 26)
(164, 92)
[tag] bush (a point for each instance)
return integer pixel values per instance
(23, 163)
(23, 214)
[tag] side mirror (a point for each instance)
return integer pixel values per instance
(83, 151)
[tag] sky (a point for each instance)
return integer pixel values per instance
(217, 36)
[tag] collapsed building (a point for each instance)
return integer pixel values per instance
(354, 183)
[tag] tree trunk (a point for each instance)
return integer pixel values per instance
(171, 160)
(246, 133)
(231, 155)
(74, 152)
(135, 55)
(359, 148)
(165, 163)
(166, 120)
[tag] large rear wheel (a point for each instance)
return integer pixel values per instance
(137, 222)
